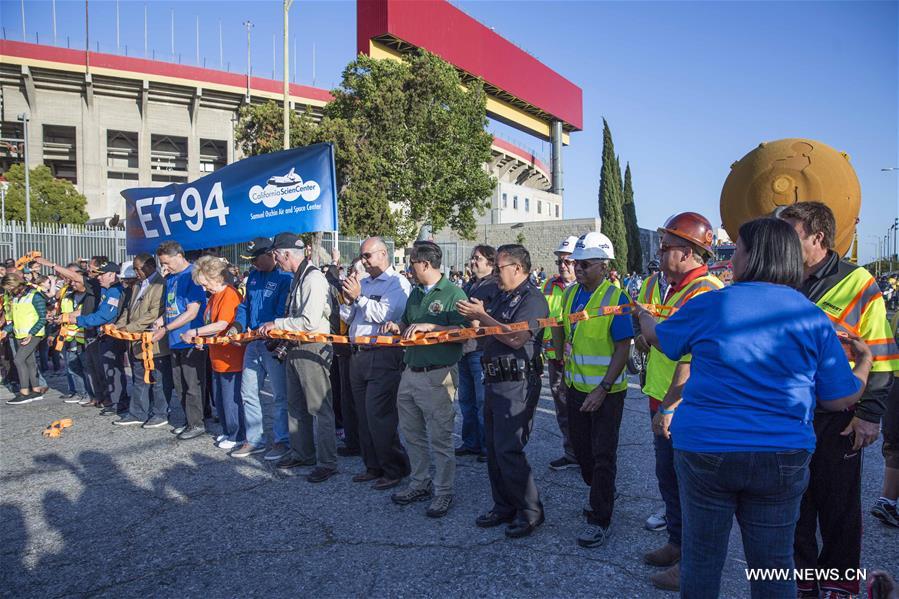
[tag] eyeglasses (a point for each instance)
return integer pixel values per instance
(368, 255)
(664, 248)
(500, 266)
(585, 264)
(560, 262)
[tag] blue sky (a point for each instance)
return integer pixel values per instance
(687, 87)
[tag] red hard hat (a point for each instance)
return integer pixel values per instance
(692, 227)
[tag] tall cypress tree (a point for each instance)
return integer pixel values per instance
(610, 200)
(634, 251)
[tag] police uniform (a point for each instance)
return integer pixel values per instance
(106, 369)
(512, 379)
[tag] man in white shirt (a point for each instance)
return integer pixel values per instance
(375, 370)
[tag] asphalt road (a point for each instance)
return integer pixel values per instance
(112, 512)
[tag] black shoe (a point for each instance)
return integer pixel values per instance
(411, 495)
(191, 432)
(127, 420)
(460, 451)
(522, 528)
(384, 483)
(320, 474)
(155, 422)
(289, 461)
(482, 458)
(347, 452)
(440, 505)
(563, 463)
(491, 519)
(109, 411)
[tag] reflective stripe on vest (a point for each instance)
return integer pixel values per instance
(659, 368)
(553, 293)
(66, 305)
(590, 340)
(24, 315)
(855, 306)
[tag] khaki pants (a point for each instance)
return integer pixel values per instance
(426, 413)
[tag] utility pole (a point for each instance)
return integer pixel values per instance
(274, 60)
(145, 30)
(173, 34)
(87, 40)
(313, 63)
(23, 21)
(24, 118)
(53, 10)
(117, 26)
(248, 25)
(287, 4)
(197, 62)
(221, 53)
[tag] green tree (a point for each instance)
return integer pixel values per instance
(610, 200)
(409, 141)
(634, 250)
(52, 200)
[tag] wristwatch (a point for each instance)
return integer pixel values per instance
(606, 385)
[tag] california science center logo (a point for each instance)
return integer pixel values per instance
(287, 187)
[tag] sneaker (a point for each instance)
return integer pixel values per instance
(657, 521)
(220, 438)
(592, 536)
(278, 451)
(85, 401)
(72, 398)
(885, 512)
(411, 495)
(563, 463)
(179, 429)
(227, 444)
(155, 422)
(23, 399)
(191, 432)
(246, 450)
(128, 420)
(440, 505)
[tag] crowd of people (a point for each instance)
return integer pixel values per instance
(761, 394)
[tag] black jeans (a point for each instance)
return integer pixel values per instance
(155, 399)
(113, 353)
(594, 436)
(189, 373)
(833, 502)
(508, 421)
(348, 417)
(375, 378)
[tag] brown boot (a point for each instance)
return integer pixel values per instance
(665, 556)
(667, 580)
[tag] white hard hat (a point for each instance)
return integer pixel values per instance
(127, 271)
(593, 245)
(567, 245)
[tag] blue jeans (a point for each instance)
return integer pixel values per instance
(156, 399)
(74, 370)
(471, 401)
(667, 479)
(226, 391)
(764, 490)
(258, 363)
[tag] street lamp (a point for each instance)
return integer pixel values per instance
(287, 4)
(24, 119)
(248, 25)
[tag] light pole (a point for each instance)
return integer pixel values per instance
(4, 185)
(287, 4)
(24, 118)
(249, 26)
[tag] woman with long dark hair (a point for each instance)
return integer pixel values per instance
(762, 355)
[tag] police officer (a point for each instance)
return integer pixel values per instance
(512, 370)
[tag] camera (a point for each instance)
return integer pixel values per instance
(278, 348)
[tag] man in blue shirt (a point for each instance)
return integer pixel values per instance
(264, 301)
(185, 302)
(109, 373)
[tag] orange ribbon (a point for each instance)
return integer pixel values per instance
(146, 345)
(24, 260)
(432, 338)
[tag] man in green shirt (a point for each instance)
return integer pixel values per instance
(428, 385)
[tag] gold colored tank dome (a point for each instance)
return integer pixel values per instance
(786, 171)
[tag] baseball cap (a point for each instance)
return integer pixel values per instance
(257, 247)
(107, 267)
(286, 241)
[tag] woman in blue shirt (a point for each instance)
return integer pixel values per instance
(762, 355)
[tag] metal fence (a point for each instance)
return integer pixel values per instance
(66, 243)
(61, 243)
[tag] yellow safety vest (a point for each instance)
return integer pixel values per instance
(660, 369)
(66, 305)
(855, 305)
(553, 290)
(24, 316)
(590, 342)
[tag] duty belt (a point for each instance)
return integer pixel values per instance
(504, 369)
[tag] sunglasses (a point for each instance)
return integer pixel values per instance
(368, 255)
(560, 262)
(585, 264)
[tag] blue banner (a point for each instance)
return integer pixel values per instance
(260, 196)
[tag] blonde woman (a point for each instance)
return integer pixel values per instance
(28, 316)
(214, 276)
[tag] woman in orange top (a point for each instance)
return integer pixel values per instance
(213, 275)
